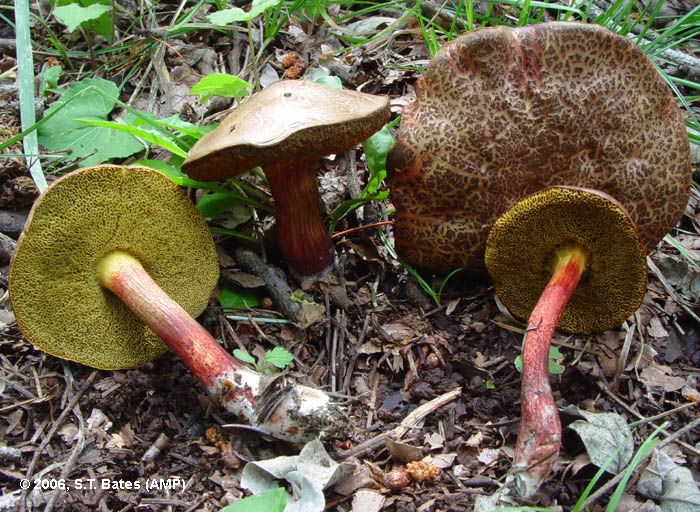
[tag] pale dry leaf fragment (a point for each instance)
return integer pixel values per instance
(657, 376)
(69, 433)
(602, 434)
(671, 485)
(488, 456)
(655, 329)
(442, 460)
(366, 500)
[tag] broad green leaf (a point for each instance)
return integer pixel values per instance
(274, 500)
(554, 356)
(149, 135)
(102, 25)
(73, 15)
(236, 297)
(244, 356)
(235, 14)
(221, 84)
(83, 100)
(278, 357)
(49, 78)
(214, 204)
(330, 81)
(178, 177)
(376, 149)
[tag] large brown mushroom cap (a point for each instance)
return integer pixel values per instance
(523, 242)
(290, 119)
(59, 304)
(504, 112)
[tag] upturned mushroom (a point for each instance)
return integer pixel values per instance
(564, 256)
(285, 129)
(115, 259)
(502, 113)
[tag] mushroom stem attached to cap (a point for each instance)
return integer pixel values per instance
(539, 436)
(86, 238)
(242, 391)
(558, 256)
(303, 238)
(285, 129)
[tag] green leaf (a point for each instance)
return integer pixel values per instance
(220, 84)
(49, 78)
(273, 500)
(376, 149)
(73, 15)
(244, 356)
(88, 99)
(214, 204)
(235, 14)
(178, 177)
(330, 81)
(236, 297)
(554, 356)
(278, 357)
(149, 135)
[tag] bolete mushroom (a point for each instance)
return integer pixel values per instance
(567, 256)
(502, 113)
(115, 259)
(285, 129)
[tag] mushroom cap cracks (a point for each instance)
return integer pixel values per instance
(287, 119)
(521, 248)
(502, 113)
(59, 304)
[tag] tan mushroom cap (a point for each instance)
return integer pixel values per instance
(521, 248)
(287, 119)
(504, 112)
(59, 304)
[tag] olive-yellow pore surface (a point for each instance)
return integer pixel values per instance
(521, 248)
(59, 304)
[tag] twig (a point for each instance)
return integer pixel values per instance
(70, 463)
(408, 423)
(274, 279)
(52, 431)
(358, 228)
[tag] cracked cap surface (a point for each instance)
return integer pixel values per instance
(503, 112)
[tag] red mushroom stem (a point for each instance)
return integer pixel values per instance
(303, 239)
(539, 437)
(295, 418)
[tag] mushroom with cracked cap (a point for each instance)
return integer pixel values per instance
(564, 256)
(285, 129)
(115, 259)
(502, 113)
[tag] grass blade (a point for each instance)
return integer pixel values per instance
(25, 81)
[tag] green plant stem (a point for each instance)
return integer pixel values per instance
(25, 80)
